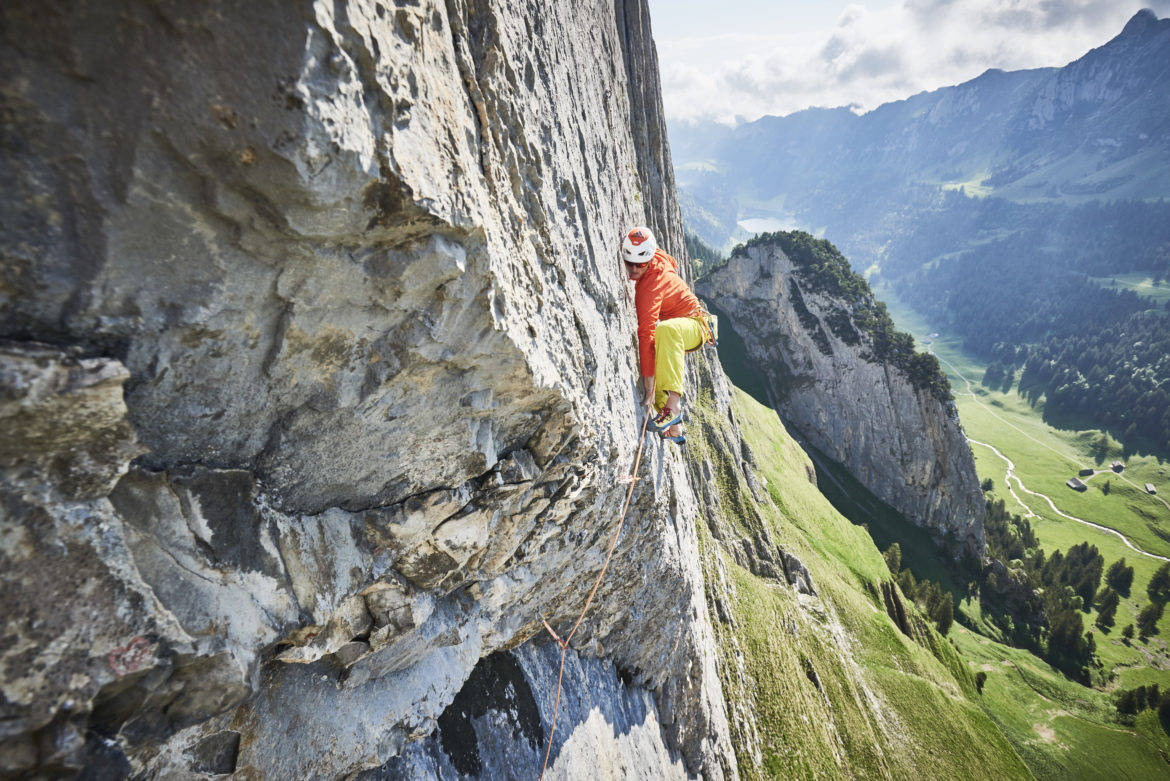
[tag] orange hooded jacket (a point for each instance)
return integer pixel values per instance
(660, 294)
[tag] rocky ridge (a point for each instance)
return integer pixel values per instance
(899, 439)
(1095, 128)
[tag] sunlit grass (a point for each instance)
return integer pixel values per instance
(1060, 728)
(1063, 730)
(1139, 282)
(1044, 458)
(885, 706)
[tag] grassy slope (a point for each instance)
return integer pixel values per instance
(1061, 729)
(890, 707)
(1046, 457)
(1064, 730)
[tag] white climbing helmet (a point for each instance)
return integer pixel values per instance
(639, 245)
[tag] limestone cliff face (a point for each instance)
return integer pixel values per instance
(1108, 89)
(318, 383)
(900, 441)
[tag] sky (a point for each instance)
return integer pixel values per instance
(749, 58)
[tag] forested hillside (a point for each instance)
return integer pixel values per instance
(1026, 211)
(1031, 288)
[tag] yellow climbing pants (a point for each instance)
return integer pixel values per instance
(673, 338)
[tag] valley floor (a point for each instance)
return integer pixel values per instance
(1062, 729)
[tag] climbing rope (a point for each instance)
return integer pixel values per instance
(564, 644)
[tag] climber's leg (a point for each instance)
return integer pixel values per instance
(672, 339)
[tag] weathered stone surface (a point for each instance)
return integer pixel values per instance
(496, 727)
(798, 575)
(216, 754)
(208, 554)
(82, 630)
(351, 652)
(63, 417)
(394, 608)
(357, 261)
(900, 442)
(350, 621)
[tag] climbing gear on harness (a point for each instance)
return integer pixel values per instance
(710, 324)
(564, 644)
(639, 245)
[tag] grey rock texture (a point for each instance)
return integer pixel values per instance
(1108, 83)
(900, 442)
(497, 726)
(322, 379)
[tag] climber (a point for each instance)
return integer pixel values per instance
(671, 321)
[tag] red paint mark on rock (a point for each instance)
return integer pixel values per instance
(132, 657)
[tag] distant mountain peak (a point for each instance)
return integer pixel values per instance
(1140, 21)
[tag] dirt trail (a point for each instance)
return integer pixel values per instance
(1011, 475)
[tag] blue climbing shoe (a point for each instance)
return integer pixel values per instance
(666, 419)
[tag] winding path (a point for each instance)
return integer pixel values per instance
(1012, 476)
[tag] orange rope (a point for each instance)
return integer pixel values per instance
(564, 644)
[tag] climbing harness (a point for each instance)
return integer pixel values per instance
(632, 479)
(710, 324)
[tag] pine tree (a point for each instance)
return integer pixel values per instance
(944, 614)
(1107, 608)
(1159, 586)
(893, 557)
(1120, 577)
(1147, 620)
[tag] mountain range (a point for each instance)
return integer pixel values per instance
(1097, 128)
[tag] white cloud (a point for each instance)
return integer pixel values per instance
(874, 56)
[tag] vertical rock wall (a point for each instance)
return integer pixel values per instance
(321, 369)
(899, 441)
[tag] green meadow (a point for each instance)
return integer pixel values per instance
(1062, 729)
(1029, 720)
(1139, 282)
(848, 694)
(1059, 728)
(1046, 457)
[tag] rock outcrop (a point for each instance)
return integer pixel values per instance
(319, 383)
(899, 439)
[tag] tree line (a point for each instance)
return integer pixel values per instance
(930, 597)
(1038, 600)
(703, 256)
(1014, 282)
